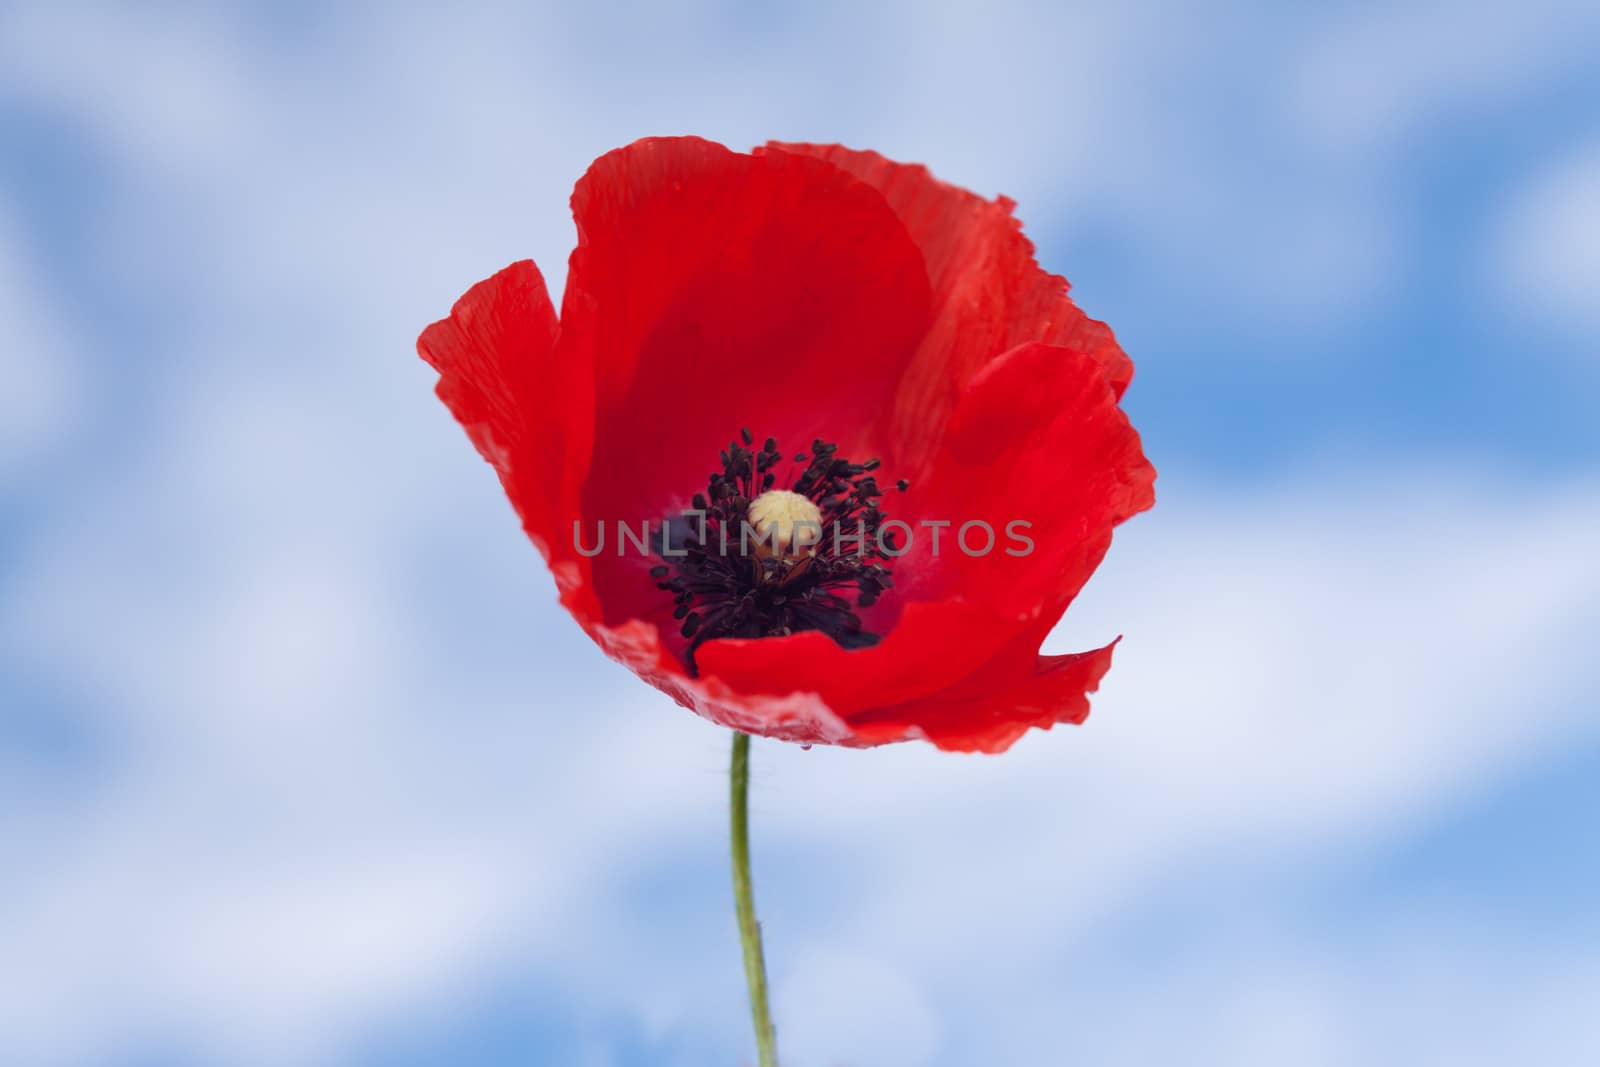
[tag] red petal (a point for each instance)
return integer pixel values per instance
(989, 294)
(494, 355)
(1056, 692)
(1038, 437)
(712, 291)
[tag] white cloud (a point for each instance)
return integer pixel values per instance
(41, 393)
(839, 1007)
(1259, 997)
(444, 148)
(1371, 76)
(1548, 256)
(164, 86)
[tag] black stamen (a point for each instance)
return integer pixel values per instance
(746, 591)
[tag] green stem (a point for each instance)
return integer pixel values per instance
(744, 902)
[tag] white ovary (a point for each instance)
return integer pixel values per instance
(787, 517)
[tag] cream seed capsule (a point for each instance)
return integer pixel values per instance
(787, 518)
(757, 568)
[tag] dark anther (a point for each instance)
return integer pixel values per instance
(746, 591)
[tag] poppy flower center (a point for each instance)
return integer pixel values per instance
(753, 559)
(791, 522)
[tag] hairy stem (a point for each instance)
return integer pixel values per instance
(755, 968)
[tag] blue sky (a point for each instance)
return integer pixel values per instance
(301, 763)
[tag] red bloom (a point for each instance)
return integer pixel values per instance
(827, 297)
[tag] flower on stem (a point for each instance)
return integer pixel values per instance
(913, 377)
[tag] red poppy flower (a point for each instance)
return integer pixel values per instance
(868, 323)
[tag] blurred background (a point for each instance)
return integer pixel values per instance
(300, 763)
